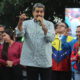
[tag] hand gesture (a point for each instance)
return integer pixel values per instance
(39, 18)
(22, 17)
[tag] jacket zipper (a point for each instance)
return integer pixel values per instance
(58, 54)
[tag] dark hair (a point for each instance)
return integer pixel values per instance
(10, 33)
(39, 5)
(78, 26)
(6, 45)
(66, 24)
(55, 26)
(2, 26)
(5, 51)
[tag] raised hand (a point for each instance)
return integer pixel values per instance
(22, 17)
(39, 18)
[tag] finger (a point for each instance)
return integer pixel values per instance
(25, 17)
(39, 18)
(22, 15)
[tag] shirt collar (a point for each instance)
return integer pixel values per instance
(60, 36)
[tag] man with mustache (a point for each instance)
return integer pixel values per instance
(37, 51)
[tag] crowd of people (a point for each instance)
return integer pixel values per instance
(46, 51)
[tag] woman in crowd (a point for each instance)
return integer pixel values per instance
(10, 53)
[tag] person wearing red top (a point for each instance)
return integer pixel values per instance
(10, 53)
(2, 28)
(75, 56)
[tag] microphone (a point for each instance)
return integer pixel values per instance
(39, 20)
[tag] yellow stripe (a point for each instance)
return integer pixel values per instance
(57, 43)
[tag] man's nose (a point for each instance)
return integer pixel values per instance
(39, 13)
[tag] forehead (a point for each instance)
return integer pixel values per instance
(38, 8)
(62, 24)
(78, 29)
(5, 34)
(1, 28)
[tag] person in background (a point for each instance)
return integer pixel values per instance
(37, 51)
(74, 49)
(1, 38)
(10, 53)
(1, 32)
(61, 57)
(75, 57)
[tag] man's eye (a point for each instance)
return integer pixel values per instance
(3, 35)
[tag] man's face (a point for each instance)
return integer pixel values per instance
(38, 12)
(61, 27)
(78, 32)
(1, 32)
